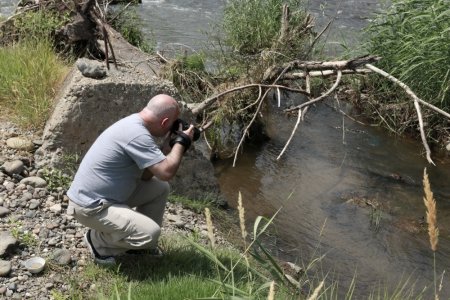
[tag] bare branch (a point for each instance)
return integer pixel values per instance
(336, 83)
(208, 102)
(318, 66)
(299, 118)
(416, 105)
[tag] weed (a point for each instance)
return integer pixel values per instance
(23, 236)
(56, 179)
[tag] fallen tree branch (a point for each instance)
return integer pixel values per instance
(319, 66)
(208, 102)
(324, 73)
(416, 105)
(306, 105)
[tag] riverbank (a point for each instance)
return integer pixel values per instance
(34, 222)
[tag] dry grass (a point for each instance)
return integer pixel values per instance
(210, 227)
(430, 203)
(241, 210)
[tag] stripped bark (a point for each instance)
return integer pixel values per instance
(304, 66)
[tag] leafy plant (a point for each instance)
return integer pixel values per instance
(38, 25)
(56, 179)
(24, 237)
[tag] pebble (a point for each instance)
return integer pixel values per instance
(5, 267)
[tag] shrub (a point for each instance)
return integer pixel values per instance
(253, 25)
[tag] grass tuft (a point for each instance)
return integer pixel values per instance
(30, 73)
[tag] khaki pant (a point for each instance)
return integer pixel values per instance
(136, 224)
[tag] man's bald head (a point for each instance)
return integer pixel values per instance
(163, 106)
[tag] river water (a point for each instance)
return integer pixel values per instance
(333, 171)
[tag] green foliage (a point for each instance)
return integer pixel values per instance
(196, 205)
(128, 24)
(24, 237)
(412, 38)
(29, 75)
(253, 25)
(194, 62)
(55, 179)
(39, 25)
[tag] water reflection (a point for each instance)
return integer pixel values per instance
(331, 161)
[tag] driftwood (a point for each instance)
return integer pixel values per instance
(305, 70)
(307, 66)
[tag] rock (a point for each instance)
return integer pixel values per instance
(13, 167)
(5, 267)
(62, 257)
(34, 181)
(448, 147)
(56, 208)
(20, 144)
(7, 242)
(2, 290)
(91, 68)
(3, 211)
(34, 203)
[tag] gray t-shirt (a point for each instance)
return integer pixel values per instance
(113, 166)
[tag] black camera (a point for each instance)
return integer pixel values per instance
(185, 125)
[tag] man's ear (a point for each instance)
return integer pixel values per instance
(164, 122)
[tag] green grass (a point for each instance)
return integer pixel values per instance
(253, 25)
(412, 38)
(183, 273)
(30, 73)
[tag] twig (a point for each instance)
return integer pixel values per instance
(299, 118)
(416, 105)
(208, 102)
(336, 83)
(254, 103)
(247, 128)
(120, 12)
(162, 57)
(318, 37)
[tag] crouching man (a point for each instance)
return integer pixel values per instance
(120, 189)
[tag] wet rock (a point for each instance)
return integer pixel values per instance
(34, 181)
(19, 144)
(13, 167)
(5, 267)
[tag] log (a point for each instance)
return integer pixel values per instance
(305, 66)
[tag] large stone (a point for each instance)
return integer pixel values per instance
(19, 143)
(7, 242)
(62, 257)
(13, 167)
(34, 181)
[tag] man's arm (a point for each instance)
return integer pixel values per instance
(167, 168)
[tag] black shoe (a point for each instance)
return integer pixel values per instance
(154, 252)
(98, 259)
